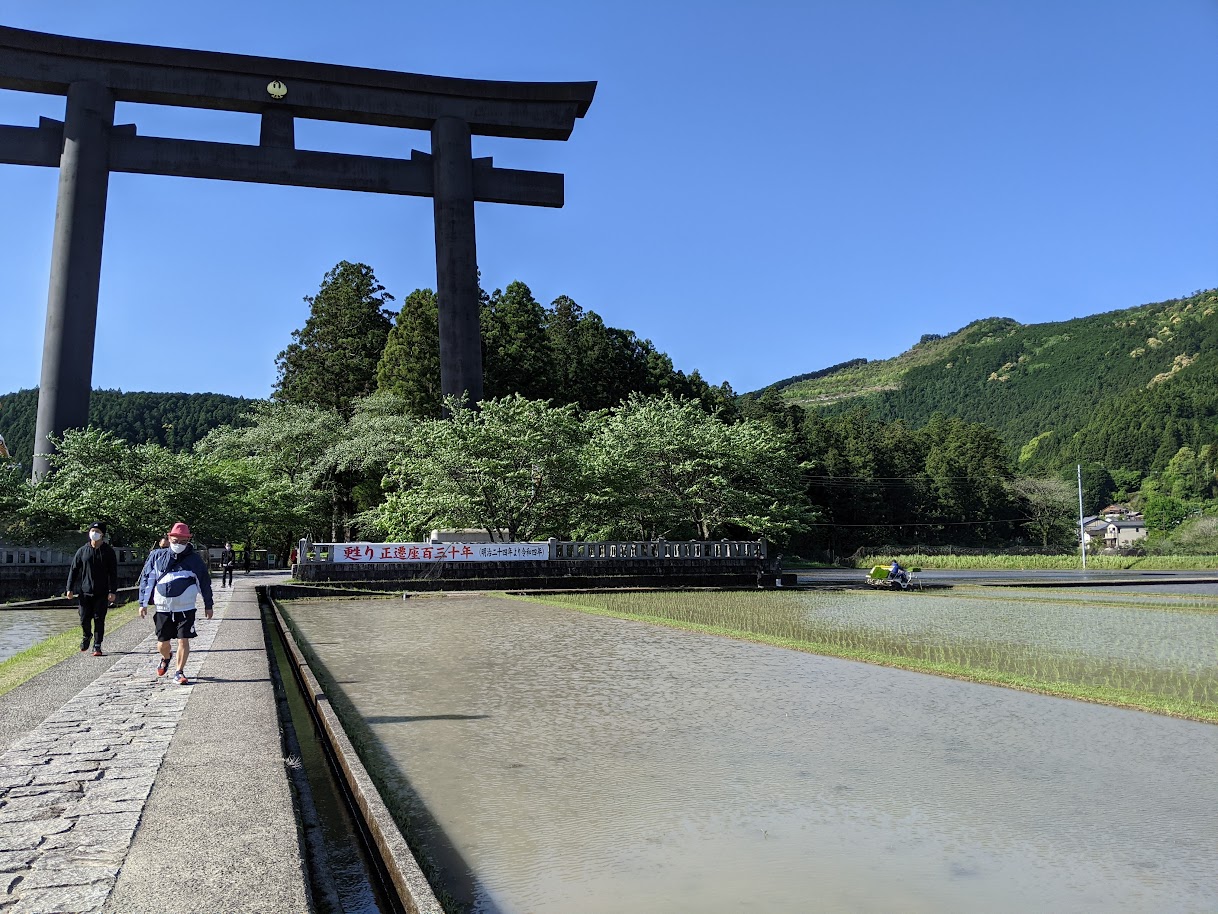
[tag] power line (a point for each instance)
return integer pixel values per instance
(922, 478)
(945, 523)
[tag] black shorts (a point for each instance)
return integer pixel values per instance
(174, 625)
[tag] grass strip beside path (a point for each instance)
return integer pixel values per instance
(21, 668)
(1120, 698)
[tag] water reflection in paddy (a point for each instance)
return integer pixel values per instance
(578, 763)
(23, 628)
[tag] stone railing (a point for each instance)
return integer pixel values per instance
(658, 549)
(37, 555)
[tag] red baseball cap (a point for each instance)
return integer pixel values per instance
(180, 530)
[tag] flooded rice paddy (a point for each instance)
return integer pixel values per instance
(553, 761)
(23, 628)
(1131, 646)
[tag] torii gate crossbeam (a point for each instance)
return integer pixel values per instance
(87, 146)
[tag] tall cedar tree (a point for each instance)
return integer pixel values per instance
(594, 365)
(410, 364)
(516, 356)
(332, 360)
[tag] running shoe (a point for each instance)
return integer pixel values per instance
(180, 678)
(163, 667)
(97, 651)
(84, 644)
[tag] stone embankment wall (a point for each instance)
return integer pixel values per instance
(32, 582)
(543, 575)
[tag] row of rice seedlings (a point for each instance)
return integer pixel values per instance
(1088, 597)
(1123, 633)
(1048, 562)
(779, 617)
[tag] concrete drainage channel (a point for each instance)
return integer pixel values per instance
(358, 861)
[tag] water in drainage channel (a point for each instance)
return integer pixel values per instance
(343, 873)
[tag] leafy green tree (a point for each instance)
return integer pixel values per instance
(1163, 513)
(1126, 483)
(666, 468)
(769, 407)
(410, 365)
(262, 508)
(1194, 536)
(1186, 476)
(1048, 506)
(1099, 487)
(967, 475)
(138, 490)
(333, 359)
(583, 371)
(861, 478)
(288, 438)
(15, 495)
(598, 366)
(511, 468)
(282, 448)
(516, 353)
(359, 457)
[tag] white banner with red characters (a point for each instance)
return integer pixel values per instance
(368, 553)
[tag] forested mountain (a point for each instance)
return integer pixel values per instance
(173, 420)
(1125, 388)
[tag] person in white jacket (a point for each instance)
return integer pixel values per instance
(171, 582)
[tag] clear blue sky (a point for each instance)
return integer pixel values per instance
(760, 188)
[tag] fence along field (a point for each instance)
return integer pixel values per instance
(1150, 652)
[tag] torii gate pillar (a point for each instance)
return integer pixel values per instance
(456, 259)
(76, 255)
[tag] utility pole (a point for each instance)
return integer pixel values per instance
(1082, 532)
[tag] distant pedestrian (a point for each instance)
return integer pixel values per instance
(93, 578)
(228, 561)
(246, 560)
(172, 580)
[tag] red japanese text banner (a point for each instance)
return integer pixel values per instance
(440, 552)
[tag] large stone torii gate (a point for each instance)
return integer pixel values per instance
(87, 145)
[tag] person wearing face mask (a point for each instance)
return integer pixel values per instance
(93, 579)
(228, 561)
(171, 582)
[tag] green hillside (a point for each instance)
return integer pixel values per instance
(174, 420)
(1126, 388)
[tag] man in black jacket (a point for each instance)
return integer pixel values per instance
(93, 579)
(228, 561)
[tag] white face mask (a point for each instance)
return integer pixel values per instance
(95, 535)
(178, 548)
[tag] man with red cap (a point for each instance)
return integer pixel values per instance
(172, 580)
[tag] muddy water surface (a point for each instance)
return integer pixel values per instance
(576, 763)
(23, 628)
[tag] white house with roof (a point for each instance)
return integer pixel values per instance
(1120, 534)
(1095, 530)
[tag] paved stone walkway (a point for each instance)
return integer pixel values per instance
(72, 791)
